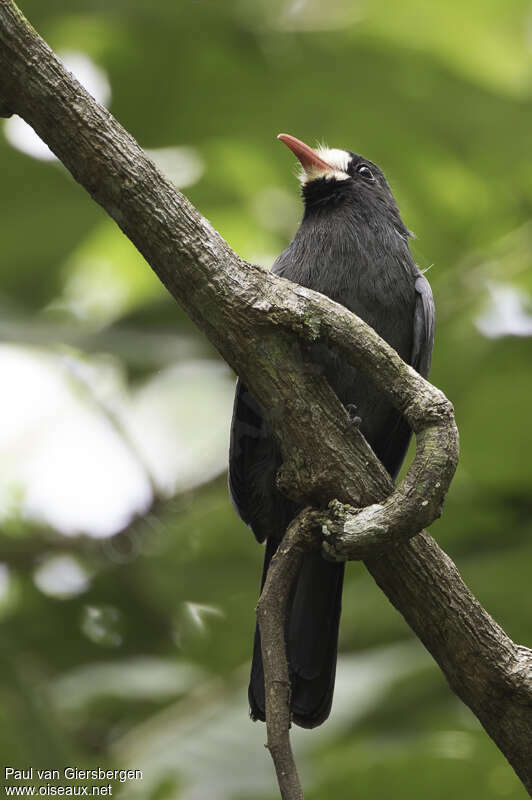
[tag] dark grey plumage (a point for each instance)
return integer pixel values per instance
(353, 247)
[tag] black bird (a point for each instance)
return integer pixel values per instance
(352, 246)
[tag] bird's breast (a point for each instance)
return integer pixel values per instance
(374, 277)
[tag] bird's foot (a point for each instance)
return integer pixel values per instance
(354, 419)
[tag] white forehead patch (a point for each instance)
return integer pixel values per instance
(339, 161)
(336, 158)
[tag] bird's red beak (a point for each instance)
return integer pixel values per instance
(308, 157)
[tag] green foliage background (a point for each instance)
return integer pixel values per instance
(147, 666)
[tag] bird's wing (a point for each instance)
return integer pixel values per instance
(423, 327)
(393, 454)
(246, 429)
(253, 462)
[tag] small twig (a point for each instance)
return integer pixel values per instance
(271, 614)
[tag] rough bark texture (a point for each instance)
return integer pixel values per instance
(254, 318)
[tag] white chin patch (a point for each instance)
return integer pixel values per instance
(339, 164)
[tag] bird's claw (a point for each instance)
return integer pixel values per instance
(354, 419)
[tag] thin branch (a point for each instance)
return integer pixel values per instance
(271, 615)
(256, 320)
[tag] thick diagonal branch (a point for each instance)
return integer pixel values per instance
(255, 320)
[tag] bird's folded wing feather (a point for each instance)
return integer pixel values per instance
(423, 327)
(253, 463)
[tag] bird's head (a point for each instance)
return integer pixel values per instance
(332, 178)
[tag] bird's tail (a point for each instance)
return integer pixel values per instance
(311, 641)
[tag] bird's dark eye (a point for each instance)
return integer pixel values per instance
(366, 173)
